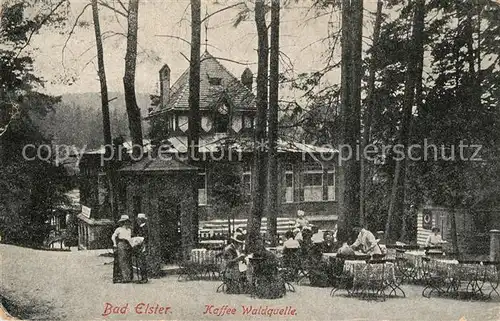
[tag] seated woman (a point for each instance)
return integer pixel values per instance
(434, 242)
(435, 238)
(301, 221)
(235, 266)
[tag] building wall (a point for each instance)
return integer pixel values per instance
(327, 209)
(162, 197)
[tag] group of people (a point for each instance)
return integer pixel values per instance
(129, 244)
(305, 234)
(251, 270)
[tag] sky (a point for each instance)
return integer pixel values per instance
(73, 69)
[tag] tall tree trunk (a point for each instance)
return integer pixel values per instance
(106, 123)
(133, 111)
(273, 202)
(396, 205)
(194, 103)
(343, 229)
(369, 110)
(453, 228)
(194, 79)
(259, 193)
(352, 116)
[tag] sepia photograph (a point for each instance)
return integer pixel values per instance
(250, 160)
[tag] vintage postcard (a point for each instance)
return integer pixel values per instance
(250, 160)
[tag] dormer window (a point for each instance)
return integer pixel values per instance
(215, 81)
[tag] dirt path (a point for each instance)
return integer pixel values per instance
(77, 286)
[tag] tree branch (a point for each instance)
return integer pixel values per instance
(174, 37)
(221, 10)
(231, 60)
(183, 55)
(105, 5)
(123, 6)
(44, 20)
(4, 129)
(72, 31)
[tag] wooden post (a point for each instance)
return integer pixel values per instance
(495, 245)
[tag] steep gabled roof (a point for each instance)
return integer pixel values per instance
(241, 98)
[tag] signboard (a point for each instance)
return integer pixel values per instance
(86, 211)
(427, 219)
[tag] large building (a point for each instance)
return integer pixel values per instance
(227, 118)
(164, 185)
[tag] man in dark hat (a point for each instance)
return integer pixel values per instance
(142, 251)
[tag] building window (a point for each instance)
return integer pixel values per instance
(289, 183)
(247, 121)
(202, 189)
(137, 205)
(214, 81)
(330, 181)
(313, 183)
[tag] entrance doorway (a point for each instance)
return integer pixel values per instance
(169, 215)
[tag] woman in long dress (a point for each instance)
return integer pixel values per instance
(235, 265)
(122, 267)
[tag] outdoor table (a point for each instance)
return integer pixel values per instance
(368, 276)
(409, 265)
(202, 262)
(449, 276)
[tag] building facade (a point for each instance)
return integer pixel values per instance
(227, 119)
(177, 194)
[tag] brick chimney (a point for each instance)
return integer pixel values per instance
(164, 86)
(247, 78)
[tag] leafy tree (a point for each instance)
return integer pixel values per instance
(29, 190)
(226, 191)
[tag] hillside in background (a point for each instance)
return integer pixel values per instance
(77, 120)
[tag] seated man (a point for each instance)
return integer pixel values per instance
(366, 241)
(317, 236)
(329, 243)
